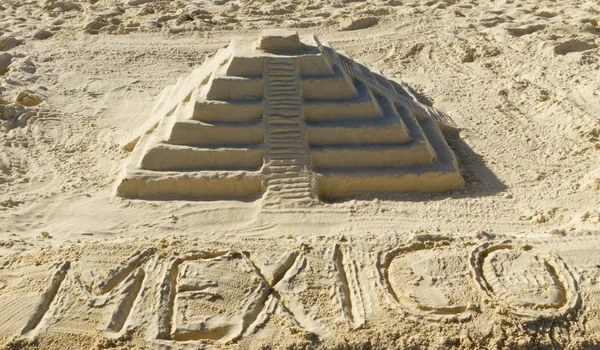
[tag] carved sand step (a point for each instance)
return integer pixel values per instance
(287, 180)
(289, 186)
(274, 169)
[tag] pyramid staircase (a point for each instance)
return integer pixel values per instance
(287, 158)
(293, 122)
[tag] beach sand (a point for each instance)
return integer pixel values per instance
(509, 261)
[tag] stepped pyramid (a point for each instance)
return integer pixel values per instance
(291, 120)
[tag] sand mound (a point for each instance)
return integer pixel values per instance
(290, 118)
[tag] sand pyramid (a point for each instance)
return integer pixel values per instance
(289, 119)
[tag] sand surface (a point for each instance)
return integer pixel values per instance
(510, 261)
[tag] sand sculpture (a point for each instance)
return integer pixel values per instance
(292, 120)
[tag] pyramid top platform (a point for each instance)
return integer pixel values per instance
(280, 42)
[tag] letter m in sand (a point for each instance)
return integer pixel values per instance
(121, 288)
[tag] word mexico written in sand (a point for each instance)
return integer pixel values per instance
(289, 119)
(222, 293)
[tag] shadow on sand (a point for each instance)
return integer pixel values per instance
(480, 181)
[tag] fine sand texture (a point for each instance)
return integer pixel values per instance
(306, 226)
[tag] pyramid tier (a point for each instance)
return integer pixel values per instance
(373, 156)
(389, 129)
(363, 107)
(433, 178)
(245, 63)
(195, 133)
(245, 66)
(193, 185)
(314, 65)
(164, 157)
(226, 88)
(440, 176)
(330, 87)
(375, 134)
(228, 111)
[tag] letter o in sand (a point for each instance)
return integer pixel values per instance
(428, 278)
(529, 283)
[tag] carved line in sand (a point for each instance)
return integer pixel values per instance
(522, 291)
(348, 288)
(36, 322)
(264, 299)
(449, 313)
